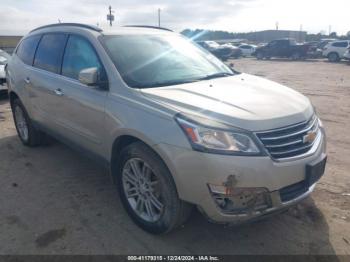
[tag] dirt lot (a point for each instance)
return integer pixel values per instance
(54, 201)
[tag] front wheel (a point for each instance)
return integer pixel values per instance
(148, 191)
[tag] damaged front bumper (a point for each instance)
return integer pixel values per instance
(253, 206)
(236, 189)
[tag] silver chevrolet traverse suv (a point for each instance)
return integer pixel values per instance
(176, 126)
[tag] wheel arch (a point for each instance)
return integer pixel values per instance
(334, 52)
(124, 140)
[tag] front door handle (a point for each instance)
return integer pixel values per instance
(59, 92)
(27, 80)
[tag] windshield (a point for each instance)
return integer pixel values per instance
(159, 60)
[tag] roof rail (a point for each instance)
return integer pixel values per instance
(150, 26)
(92, 27)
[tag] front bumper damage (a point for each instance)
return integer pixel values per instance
(236, 189)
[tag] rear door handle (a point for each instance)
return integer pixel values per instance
(27, 80)
(59, 92)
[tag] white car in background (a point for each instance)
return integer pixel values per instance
(4, 57)
(247, 50)
(335, 51)
(347, 54)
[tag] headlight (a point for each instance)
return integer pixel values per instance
(208, 139)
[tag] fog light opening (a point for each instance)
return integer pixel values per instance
(236, 200)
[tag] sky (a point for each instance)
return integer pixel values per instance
(17, 17)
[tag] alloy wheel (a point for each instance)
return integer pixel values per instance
(142, 190)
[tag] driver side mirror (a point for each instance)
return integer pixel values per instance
(89, 76)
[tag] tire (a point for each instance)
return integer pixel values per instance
(28, 134)
(169, 211)
(333, 57)
(296, 56)
(260, 56)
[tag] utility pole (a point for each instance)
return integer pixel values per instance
(329, 30)
(110, 17)
(158, 17)
(277, 25)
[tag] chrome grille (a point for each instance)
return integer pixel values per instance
(289, 141)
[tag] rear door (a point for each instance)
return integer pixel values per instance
(81, 113)
(340, 47)
(43, 80)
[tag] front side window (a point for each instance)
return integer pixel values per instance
(160, 60)
(79, 55)
(50, 51)
(26, 49)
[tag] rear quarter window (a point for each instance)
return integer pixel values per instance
(26, 49)
(50, 51)
(340, 44)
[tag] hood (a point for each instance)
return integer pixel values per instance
(243, 101)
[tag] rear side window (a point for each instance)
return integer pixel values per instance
(340, 44)
(79, 55)
(26, 49)
(50, 52)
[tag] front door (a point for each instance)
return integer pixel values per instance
(82, 112)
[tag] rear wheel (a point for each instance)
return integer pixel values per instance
(333, 57)
(29, 135)
(148, 191)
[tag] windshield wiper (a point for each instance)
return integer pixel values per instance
(216, 75)
(166, 83)
(179, 82)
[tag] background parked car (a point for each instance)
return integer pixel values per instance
(335, 51)
(236, 52)
(347, 55)
(247, 50)
(282, 48)
(321, 44)
(220, 51)
(4, 57)
(314, 50)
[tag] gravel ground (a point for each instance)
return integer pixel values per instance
(54, 201)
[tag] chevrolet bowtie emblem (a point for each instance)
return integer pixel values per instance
(309, 137)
